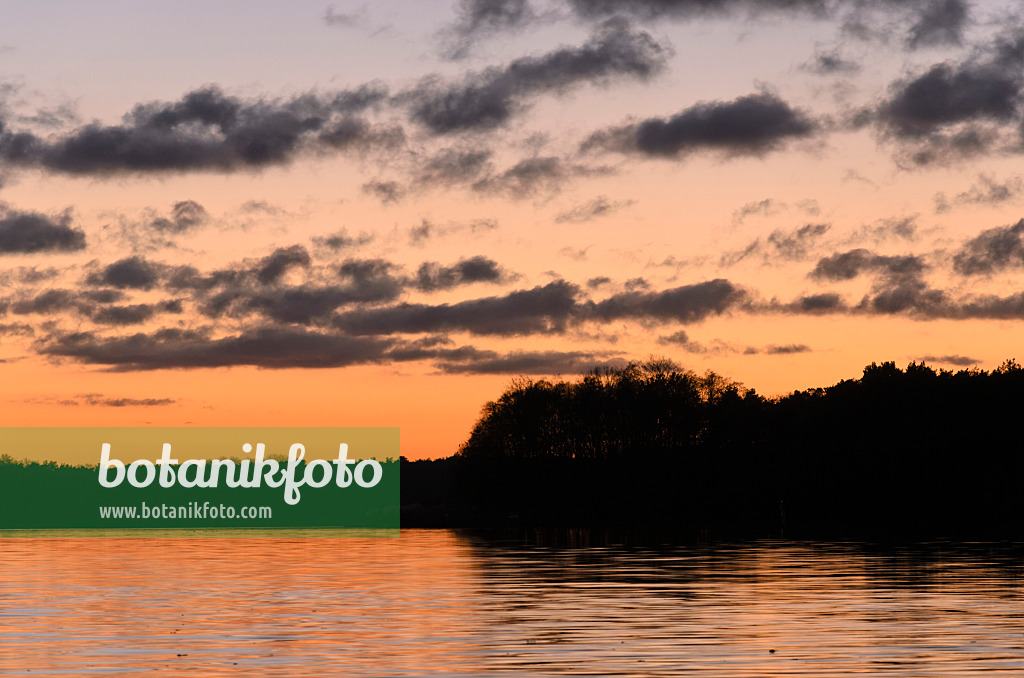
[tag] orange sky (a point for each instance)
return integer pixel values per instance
(379, 215)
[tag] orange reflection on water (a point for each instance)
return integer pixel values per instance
(443, 603)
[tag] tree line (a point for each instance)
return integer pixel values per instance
(913, 452)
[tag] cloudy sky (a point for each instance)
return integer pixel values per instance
(267, 213)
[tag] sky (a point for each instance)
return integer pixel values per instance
(380, 214)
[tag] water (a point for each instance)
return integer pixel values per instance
(434, 603)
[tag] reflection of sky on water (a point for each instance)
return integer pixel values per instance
(444, 603)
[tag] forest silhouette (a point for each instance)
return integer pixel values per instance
(913, 452)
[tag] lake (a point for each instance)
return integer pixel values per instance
(439, 602)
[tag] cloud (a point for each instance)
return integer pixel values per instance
(489, 99)
(850, 264)
(16, 329)
(209, 130)
(131, 272)
(541, 310)
(687, 9)
(99, 400)
(749, 125)
(53, 301)
(133, 314)
(524, 362)
(344, 19)
(891, 228)
(947, 94)
(432, 276)
(682, 340)
(534, 176)
(451, 167)
(940, 22)
(958, 360)
(830, 63)
(388, 192)
(958, 110)
(364, 281)
(274, 348)
(788, 349)
(481, 18)
(780, 245)
(987, 191)
(991, 251)
(764, 208)
(272, 267)
(687, 303)
(827, 302)
(342, 240)
(185, 216)
(592, 209)
(28, 232)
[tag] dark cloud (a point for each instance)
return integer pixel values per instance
(131, 272)
(764, 208)
(940, 22)
(780, 245)
(480, 18)
(796, 244)
(682, 340)
(686, 9)
(787, 349)
(420, 234)
(688, 303)
(451, 167)
(948, 94)
(428, 230)
(908, 293)
(16, 329)
(27, 232)
(49, 301)
(540, 310)
(892, 228)
(524, 362)
(958, 360)
(850, 264)
(272, 267)
(432, 276)
(827, 302)
(958, 110)
(598, 207)
(365, 281)
(987, 191)
(100, 400)
(993, 250)
(185, 216)
(275, 348)
(302, 305)
(490, 98)
(388, 192)
(54, 301)
(830, 63)
(189, 278)
(342, 240)
(534, 176)
(133, 314)
(598, 281)
(750, 125)
(208, 130)
(477, 16)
